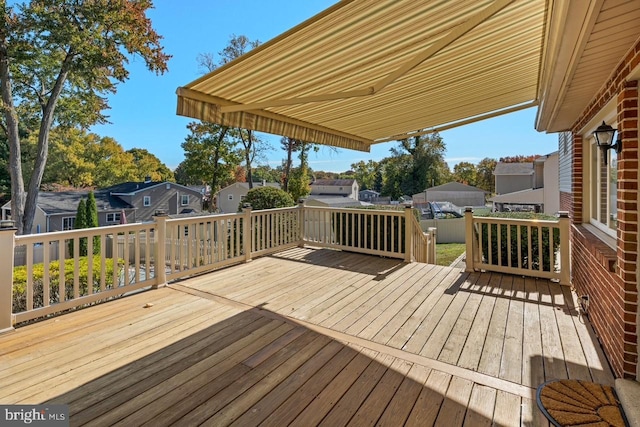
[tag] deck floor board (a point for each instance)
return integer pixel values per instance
(309, 337)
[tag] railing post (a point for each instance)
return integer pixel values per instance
(247, 235)
(160, 218)
(301, 218)
(565, 238)
(408, 234)
(433, 232)
(468, 237)
(7, 245)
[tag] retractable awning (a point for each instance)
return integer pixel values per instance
(364, 72)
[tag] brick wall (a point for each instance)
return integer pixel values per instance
(566, 201)
(610, 276)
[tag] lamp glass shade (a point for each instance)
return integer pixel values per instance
(604, 135)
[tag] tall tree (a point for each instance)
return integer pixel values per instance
(299, 179)
(209, 156)
(252, 146)
(79, 223)
(290, 146)
(420, 165)
(58, 59)
(365, 173)
(91, 219)
(484, 175)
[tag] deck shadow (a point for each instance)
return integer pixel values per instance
(251, 368)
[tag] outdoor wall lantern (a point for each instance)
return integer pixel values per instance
(604, 137)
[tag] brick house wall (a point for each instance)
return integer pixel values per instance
(609, 276)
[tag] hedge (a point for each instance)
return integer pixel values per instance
(20, 281)
(536, 235)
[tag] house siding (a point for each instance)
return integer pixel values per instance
(511, 183)
(565, 143)
(610, 276)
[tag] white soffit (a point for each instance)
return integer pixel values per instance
(587, 41)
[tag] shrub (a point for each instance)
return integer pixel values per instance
(267, 198)
(20, 281)
(537, 236)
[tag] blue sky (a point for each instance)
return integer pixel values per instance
(143, 110)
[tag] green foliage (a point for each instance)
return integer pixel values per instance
(267, 198)
(465, 173)
(92, 219)
(210, 156)
(538, 237)
(416, 164)
(365, 174)
(147, 164)
(80, 222)
(61, 58)
(20, 281)
(484, 175)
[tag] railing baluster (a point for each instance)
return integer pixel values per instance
(46, 291)
(29, 249)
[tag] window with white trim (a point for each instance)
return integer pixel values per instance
(603, 187)
(184, 199)
(68, 223)
(113, 217)
(146, 201)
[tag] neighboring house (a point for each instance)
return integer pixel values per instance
(56, 211)
(334, 202)
(138, 201)
(512, 177)
(230, 197)
(147, 197)
(368, 196)
(454, 192)
(335, 187)
(543, 197)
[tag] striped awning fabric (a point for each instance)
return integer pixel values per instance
(363, 72)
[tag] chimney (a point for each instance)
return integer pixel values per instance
(147, 179)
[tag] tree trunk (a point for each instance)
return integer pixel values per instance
(15, 157)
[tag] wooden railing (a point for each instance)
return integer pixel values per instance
(97, 264)
(535, 248)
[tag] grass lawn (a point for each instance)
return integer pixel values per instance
(446, 253)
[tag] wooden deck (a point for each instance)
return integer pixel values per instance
(309, 337)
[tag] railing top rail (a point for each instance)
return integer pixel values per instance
(81, 232)
(203, 218)
(522, 221)
(375, 211)
(263, 211)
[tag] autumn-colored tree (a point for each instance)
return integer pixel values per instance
(520, 158)
(58, 60)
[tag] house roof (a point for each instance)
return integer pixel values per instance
(60, 202)
(334, 182)
(513, 168)
(132, 187)
(337, 201)
(360, 73)
(529, 196)
(255, 185)
(455, 186)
